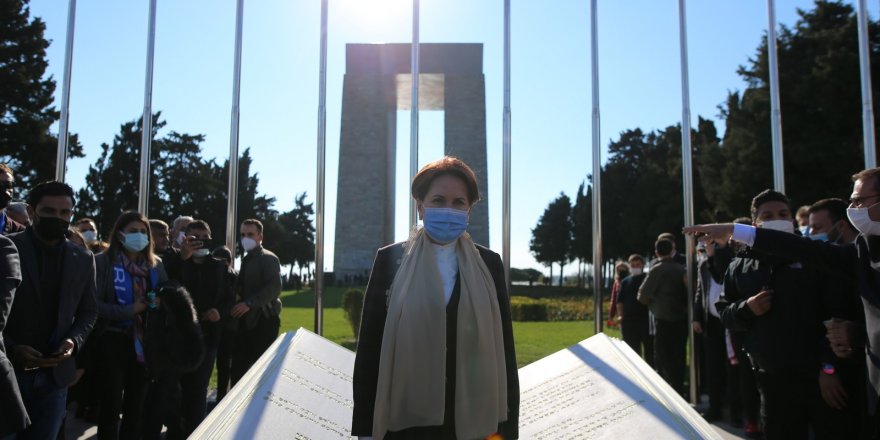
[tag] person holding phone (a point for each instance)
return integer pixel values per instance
(127, 275)
(54, 308)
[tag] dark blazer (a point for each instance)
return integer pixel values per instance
(259, 285)
(708, 270)
(636, 319)
(76, 307)
(12, 226)
(860, 262)
(108, 309)
(15, 416)
(366, 367)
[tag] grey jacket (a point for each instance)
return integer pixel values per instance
(259, 285)
(108, 308)
(664, 291)
(15, 417)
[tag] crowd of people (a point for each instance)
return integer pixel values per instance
(130, 326)
(785, 313)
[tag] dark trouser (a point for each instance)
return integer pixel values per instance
(45, 402)
(640, 340)
(715, 361)
(745, 401)
(789, 403)
(670, 351)
(123, 387)
(847, 422)
(250, 343)
(224, 359)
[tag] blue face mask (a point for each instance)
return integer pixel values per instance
(819, 237)
(135, 241)
(445, 225)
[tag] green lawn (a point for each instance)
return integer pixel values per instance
(534, 340)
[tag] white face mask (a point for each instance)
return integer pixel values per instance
(203, 252)
(90, 236)
(778, 225)
(860, 219)
(636, 271)
(248, 244)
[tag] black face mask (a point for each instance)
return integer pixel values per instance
(50, 228)
(5, 198)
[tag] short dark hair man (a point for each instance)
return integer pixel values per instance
(828, 222)
(7, 190)
(664, 292)
(161, 236)
(776, 302)
(635, 321)
(54, 308)
(258, 308)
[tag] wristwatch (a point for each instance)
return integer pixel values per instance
(828, 368)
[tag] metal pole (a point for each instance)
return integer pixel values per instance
(322, 147)
(147, 121)
(414, 113)
(505, 201)
(688, 185)
(597, 172)
(232, 206)
(867, 99)
(775, 111)
(63, 135)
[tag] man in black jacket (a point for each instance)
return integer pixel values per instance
(860, 261)
(635, 320)
(15, 416)
(775, 301)
(707, 323)
(54, 308)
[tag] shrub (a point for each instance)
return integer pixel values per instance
(576, 308)
(353, 305)
(527, 309)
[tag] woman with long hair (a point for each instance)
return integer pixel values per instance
(435, 356)
(126, 275)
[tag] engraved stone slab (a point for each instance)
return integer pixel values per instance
(299, 389)
(601, 389)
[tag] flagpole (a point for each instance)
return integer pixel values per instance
(414, 112)
(687, 183)
(506, 138)
(775, 111)
(147, 120)
(63, 129)
(867, 98)
(322, 148)
(597, 171)
(232, 191)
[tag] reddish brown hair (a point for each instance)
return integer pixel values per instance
(448, 165)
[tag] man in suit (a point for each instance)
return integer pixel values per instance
(54, 308)
(635, 321)
(707, 323)
(258, 308)
(15, 416)
(7, 189)
(664, 292)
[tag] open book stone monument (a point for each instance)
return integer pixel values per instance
(301, 389)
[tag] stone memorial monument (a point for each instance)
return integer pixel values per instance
(598, 389)
(378, 83)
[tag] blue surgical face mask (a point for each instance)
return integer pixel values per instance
(135, 241)
(445, 225)
(819, 237)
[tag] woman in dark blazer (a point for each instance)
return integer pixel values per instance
(125, 275)
(435, 356)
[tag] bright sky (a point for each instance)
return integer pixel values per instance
(640, 82)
